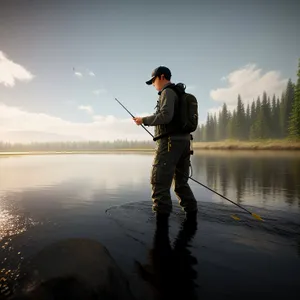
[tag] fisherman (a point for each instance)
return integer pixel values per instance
(172, 157)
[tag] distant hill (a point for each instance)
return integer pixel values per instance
(36, 136)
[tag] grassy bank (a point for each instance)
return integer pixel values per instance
(251, 145)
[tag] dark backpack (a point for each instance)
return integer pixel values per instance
(188, 109)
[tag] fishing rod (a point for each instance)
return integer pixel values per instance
(257, 217)
(134, 117)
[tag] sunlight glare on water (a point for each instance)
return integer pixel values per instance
(12, 224)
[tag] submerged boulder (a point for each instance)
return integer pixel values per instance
(73, 269)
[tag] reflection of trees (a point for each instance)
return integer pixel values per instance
(198, 162)
(240, 174)
(269, 176)
(224, 175)
(211, 174)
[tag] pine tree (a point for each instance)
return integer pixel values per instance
(269, 115)
(228, 127)
(256, 131)
(265, 117)
(294, 125)
(240, 120)
(197, 135)
(207, 128)
(252, 115)
(210, 128)
(223, 123)
(257, 125)
(202, 133)
(286, 108)
(277, 133)
(248, 122)
(274, 118)
(219, 129)
(269, 112)
(232, 132)
(281, 116)
(257, 107)
(215, 128)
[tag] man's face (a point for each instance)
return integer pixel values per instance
(158, 82)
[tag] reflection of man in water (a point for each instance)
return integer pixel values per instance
(171, 271)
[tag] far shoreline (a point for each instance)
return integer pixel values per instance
(223, 145)
(248, 145)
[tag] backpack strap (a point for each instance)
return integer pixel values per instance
(179, 89)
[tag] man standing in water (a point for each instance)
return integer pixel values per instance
(172, 157)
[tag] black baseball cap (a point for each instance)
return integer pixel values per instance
(161, 70)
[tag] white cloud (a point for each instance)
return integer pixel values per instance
(250, 83)
(11, 71)
(87, 108)
(105, 121)
(102, 128)
(78, 74)
(99, 91)
(190, 88)
(144, 114)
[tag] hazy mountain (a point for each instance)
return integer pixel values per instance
(36, 136)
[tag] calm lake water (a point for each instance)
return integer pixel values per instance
(106, 197)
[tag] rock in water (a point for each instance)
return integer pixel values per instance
(74, 269)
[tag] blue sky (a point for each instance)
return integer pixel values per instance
(217, 48)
